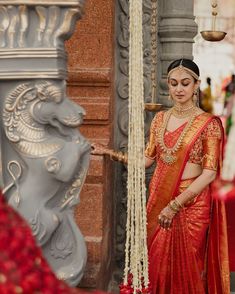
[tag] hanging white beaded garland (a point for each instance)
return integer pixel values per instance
(136, 256)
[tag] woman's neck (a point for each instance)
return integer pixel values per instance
(183, 111)
(184, 106)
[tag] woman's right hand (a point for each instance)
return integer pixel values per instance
(98, 149)
(165, 217)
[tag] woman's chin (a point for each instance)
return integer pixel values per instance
(182, 101)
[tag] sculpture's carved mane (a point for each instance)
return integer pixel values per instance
(21, 128)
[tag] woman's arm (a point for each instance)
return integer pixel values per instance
(211, 156)
(197, 186)
(148, 162)
(98, 149)
(150, 151)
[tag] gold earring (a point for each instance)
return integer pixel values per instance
(196, 97)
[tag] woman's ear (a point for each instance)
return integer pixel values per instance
(198, 83)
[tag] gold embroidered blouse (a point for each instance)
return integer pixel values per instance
(205, 151)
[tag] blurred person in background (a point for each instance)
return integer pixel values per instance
(229, 102)
(207, 98)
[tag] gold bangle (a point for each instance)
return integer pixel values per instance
(173, 209)
(174, 206)
(118, 156)
(124, 157)
(113, 156)
(178, 202)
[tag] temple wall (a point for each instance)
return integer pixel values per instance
(90, 84)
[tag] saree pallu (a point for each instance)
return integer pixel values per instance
(191, 257)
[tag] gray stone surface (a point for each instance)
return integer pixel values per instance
(44, 156)
(177, 28)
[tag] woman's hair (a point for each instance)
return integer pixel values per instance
(187, 64)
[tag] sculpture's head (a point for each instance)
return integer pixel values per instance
(32, 106)
(53, 107)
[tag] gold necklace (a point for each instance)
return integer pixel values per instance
(180, 112)
(167, 155)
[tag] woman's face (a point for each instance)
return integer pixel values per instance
(182, 86)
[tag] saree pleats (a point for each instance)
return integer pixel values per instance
(176, 256)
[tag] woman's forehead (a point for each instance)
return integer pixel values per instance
(180, 74)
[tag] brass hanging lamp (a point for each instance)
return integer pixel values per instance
(213, 35)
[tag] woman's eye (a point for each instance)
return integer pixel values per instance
(173, 84)
(185, 84)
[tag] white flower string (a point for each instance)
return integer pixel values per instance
(228, 170)
(136, 255)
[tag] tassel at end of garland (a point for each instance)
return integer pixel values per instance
(129, 289)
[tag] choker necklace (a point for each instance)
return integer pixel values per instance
(181, 112)
(168, 154)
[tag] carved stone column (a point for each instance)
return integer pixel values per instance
(177, 29)
(44, 156)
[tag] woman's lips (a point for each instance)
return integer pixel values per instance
(179, 96)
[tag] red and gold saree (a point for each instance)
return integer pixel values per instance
(191, 257)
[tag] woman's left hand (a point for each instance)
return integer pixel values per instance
(98, 149)
(165, 217)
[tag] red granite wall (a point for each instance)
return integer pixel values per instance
(90, 84)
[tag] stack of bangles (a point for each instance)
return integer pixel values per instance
(118, 156)
(175, 205)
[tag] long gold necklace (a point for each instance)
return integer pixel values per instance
(168, 154)
(181, 112)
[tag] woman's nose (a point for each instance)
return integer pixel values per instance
(179, 87)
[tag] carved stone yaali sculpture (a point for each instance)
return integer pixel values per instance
(44, 157)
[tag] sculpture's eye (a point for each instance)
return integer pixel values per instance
(52, 164)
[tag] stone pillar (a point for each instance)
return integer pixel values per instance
(44, 156)
(177, 29)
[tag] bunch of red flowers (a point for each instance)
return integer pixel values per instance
(22, 266)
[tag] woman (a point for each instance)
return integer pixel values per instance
(186, 228)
